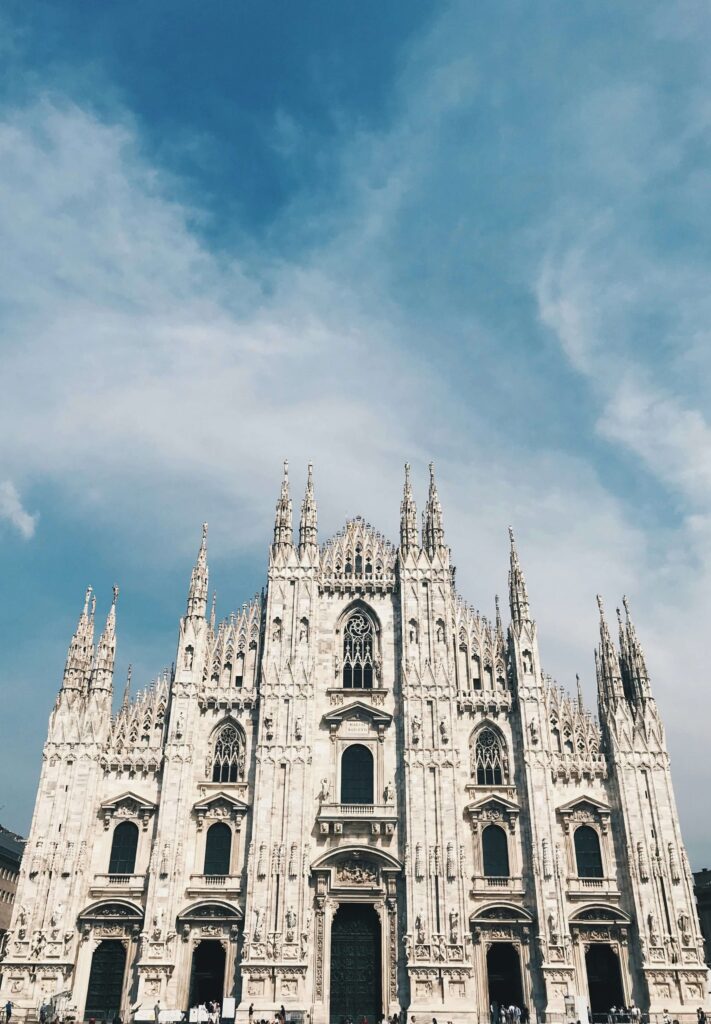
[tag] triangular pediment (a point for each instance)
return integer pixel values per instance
(128, 800)
(221, 799)
(358, 709)
(494, 803)
(584, 803)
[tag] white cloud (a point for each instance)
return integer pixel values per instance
(13, 512)
(150, 373)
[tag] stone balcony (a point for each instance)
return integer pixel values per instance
(126, 885)
(214, 885)
(585, 888)
(486, 886)
(378, 819)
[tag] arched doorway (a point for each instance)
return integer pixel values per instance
(355, 964)
(604, 978)
(503, 972)
(207, 976)
(108, 966)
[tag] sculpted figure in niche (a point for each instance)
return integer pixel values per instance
(407, 943)
(454, 926)
(444, 731)
(389, 792)
(290, 924)
(652, 925)
(416, 728)
(420, 928)
(189, 655)
(299, 727)
(325, 793)
(257, 924)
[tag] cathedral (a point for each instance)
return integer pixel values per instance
(355, 796)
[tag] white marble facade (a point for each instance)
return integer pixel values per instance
(356, 740)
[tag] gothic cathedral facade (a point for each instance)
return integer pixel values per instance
(355, 797)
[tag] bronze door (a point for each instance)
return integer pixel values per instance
(355, 965)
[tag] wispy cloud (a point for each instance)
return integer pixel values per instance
(13, 512)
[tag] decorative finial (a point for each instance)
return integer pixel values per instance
(115, 594)
(433, 526)
(127, 688)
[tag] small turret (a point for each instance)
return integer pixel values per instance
(127, 690)
(634, 669)
(197, 595)
(408, 516)
(103, 670)
(432, 524)
(610, 690)
(308, 524)
(283, 530)
(80, 655)
(518, 596)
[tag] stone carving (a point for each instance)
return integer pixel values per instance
(257, 934)
(545, 859)
(262, 861)
(454, 926)
(420, 928)
(444, 731)
(684, 923)
(356, 872)
(416, 728)
(299, 728)
(389, 792)
(293, 860)
(290, 924)
(451, 865)
(419, 868)
(642, 865)
(325, 794)
(652, 927)
(673, 865)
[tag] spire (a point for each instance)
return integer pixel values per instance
(499, 623)
(609, 681)
(283, 533)
(102, 675)
(127, 690)
(308, 524)
(197, 595)
(581, 705)
(518, 596)
(432, 527)
(81, 648)
(634, 668)
(408, 515)
(213, 611)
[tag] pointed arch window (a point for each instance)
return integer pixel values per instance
(358, 646)
(490, 764)
(495, 852)
(218, 845)
(587, 852)
(239, 669)
(124, 844)
(228, 757)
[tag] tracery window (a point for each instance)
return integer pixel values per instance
(489, 762)
(228, 759)
(358, 643)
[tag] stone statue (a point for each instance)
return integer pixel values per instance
(420, 928)
(454, 926)
(444, 731)
(389, 792)
(257, 923)
(416, 728)
(325, 793)
(299, 728)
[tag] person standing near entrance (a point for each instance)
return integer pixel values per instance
(156, 1012)
(8, 1011)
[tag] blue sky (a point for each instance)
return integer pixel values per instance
(355, 234)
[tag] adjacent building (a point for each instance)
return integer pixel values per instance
(11, 847)
(356, 795)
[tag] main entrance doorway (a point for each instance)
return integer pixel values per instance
(604, 978)
(207, 977)
(108, 965)
(355, 964)
(503, 971)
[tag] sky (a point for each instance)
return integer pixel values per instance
(355, 234)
